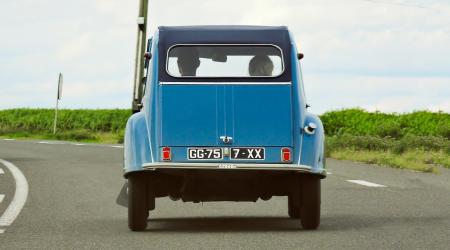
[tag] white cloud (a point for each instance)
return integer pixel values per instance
(75, 48)
(75, 95)
(384, 93)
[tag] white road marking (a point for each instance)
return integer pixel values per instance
(52, 142)
(117, 146)
(1, 171)
(79, 144)
(8, 139)
(2, 196)
(328, 172)
(20, 195)
(366, 183)
(2, 231)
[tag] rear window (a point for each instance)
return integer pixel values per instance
(241, 61)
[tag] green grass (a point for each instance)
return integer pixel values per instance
(101, 125)
(376, 143)
(418, 160)
(360, 122)
(75, 135)
(420, 153)
(99, 120)
(417, 141)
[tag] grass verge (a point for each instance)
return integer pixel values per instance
(71, 135)
(418, 160)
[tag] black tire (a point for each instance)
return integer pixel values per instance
(310, 203)
(294, 208)
(137, 203)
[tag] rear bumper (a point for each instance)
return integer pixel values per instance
(233, 166)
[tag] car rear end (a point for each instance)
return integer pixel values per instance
(224, 132)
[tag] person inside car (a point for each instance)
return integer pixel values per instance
(260, 66)
(188, 61)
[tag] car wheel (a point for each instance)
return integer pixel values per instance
(137, 203)
(310, 203)
(294, 206)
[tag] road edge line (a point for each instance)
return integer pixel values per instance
(20, 195)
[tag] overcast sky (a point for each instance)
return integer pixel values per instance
(387, 55)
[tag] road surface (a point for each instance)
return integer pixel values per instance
(56, 195)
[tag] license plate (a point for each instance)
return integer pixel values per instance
(247, 153)
(205, 154)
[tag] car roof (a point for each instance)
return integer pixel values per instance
(221, 27)
(171, 35)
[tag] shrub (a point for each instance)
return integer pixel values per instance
(444, 131)
(389, 129)
(360, 122)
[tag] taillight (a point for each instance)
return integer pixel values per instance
(166, 154)
(286, 155)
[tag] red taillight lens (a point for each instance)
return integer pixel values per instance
(286, 155)
(166, 154)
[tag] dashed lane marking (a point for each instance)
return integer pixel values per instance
(79, 144)
(2, 231)
(49, 142)
(1, 171)
(117, 146)
(2, 196)
(366, 183)
(19, 198)
(8, 139)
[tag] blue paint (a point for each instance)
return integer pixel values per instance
(189, 115)
(312, 151)
(262, 115)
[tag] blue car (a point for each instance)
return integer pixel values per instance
(223, 118)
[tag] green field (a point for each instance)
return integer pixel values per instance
(100, 125)
(418, 140)
(360, 122)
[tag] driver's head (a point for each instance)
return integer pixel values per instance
(188, 61)
(260, 66)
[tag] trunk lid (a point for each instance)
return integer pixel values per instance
(252, 114)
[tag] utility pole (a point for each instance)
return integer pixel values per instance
(139, 59)
(58, 97)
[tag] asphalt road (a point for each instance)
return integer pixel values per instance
(72, 191)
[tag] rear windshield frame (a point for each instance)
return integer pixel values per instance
(283, 66)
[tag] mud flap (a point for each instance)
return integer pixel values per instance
(122, 198)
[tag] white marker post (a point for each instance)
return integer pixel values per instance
(58, 97)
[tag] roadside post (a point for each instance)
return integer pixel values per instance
(58, 97)
(139, 59)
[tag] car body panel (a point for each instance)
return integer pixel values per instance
(190, 114)
(278, 118)
(197, 115)
(255, 112)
